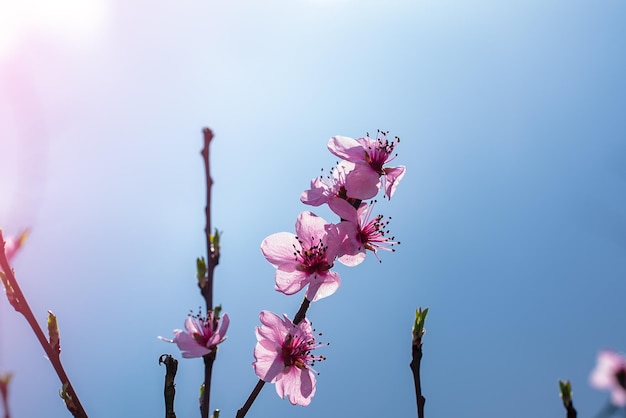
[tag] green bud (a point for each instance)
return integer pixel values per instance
(201, 393)
(216, 414)
(418, 325)
(566, 392)
(5, 379)
(53, 332)
(200, 268)
(215, 242)
(13, 300)
(69, 402)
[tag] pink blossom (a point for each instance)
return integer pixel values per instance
(201, 335)
(305, 258)
(361, 233)
(370, 156)
(283, 356)
(610, 373)
(325, 189)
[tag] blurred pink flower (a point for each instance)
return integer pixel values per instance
(610, 373)
(201, 336)
(370, 156)
(283, 356)
(305, 258)
(360, 233)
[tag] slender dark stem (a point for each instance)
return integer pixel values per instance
(206, 394)
(206, 286)
(571, 411)
(21, 305)
(212, 257)
(415, 368)
(169, 391)
(255, 392)
(299, 317)
(301, 314)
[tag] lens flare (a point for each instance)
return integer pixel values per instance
(73, 21)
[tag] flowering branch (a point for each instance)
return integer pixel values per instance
(416, 350)
(52, 349)
(206, 283)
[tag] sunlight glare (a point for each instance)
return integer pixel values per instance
(75, 21)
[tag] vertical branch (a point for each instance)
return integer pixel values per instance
(206, 283)
(17, 299)
(169, 391)
(415, 368)
(416, 355)
(206, 287)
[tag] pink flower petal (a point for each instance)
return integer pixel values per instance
(278, 248)
(290, 283)
(363, 182)
(346, 148)
(188, 345)
(392, 178)
(319, 289)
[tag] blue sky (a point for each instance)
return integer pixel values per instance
(511, 214)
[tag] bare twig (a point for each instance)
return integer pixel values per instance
(17, 299)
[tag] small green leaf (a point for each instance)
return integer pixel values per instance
(53, 332)
(418, 325)
(200, 268)
(566, 392)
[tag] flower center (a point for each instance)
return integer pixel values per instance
(313, 259)
(377, 155)
(295, 352)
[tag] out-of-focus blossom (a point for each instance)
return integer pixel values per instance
(201, 335)
(283, 356)
(371, 157)
(610, 374)
(360, 233)
(305, 258)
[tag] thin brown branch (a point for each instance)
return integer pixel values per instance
(21, 305)
(206, 287)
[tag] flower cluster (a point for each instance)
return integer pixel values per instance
(305, 259)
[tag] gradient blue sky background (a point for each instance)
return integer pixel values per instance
(511, 214)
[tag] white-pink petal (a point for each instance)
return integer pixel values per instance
(322, 287)
(346, 148)
(278, 248)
